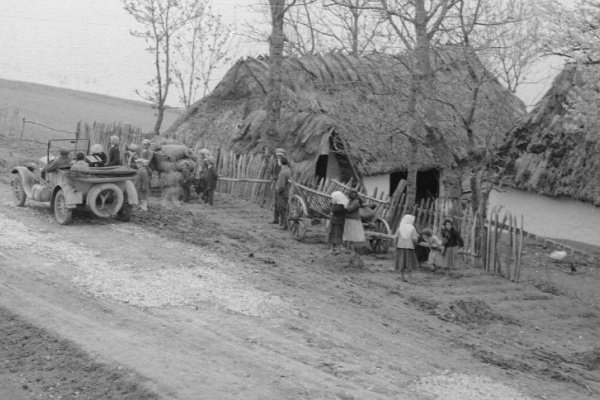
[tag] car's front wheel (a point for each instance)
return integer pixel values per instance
(19, 195)
(61, 212)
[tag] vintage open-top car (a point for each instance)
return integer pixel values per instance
(106, 191)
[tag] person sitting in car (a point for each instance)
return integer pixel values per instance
(80, 164)
(62, 161)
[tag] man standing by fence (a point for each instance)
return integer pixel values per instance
(282, 188)
(274, 175)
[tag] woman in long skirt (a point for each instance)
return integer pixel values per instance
(453, 242)
(337, 215)
(353, 229)
(406, 257)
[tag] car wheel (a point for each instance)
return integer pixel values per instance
(19, 195)
(105, 200)
(61, 212)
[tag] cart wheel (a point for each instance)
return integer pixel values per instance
(61, 212)
(105, 200)
(125, 212)
(297, 217)
(19, 195)
(381, 246)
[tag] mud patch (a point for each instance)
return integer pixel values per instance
(424, 304)
(470, 311)
(589, 359)
(548, 287)
(55, 368)
(345, 261)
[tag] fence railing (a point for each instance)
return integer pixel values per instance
(100, 133)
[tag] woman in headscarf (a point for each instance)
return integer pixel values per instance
(353, 229)
(406, 258)
(337, 214)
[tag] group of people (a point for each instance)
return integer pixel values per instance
(175, 186)
(414, 249)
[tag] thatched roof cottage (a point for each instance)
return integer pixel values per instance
(346, 116)
(555, 149)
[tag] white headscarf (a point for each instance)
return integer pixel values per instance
(339, 198)
(406, 227)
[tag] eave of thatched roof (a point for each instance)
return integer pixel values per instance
(357, 99)
(546, 154)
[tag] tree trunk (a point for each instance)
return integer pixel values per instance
(413, 169)
(422, 41)
(159, 119)
(276, 41)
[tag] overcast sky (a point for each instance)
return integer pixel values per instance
(86, 45)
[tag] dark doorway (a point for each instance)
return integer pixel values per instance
(395, 178)
(321, 168)
(428, 184)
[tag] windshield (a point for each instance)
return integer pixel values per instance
(73, 145)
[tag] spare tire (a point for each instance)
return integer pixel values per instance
(105, 199)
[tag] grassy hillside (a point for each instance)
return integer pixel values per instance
(63, 108)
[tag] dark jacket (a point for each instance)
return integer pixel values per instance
(451, 238)
(210, 179)
(186, 178)
(282, 186)
(338, 214)
(352, 211)
(275, 170)
(114, 156)
(61, 161)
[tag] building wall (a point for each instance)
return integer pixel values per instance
(381, 182)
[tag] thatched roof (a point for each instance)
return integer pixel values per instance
(552, 151)
(362, 102)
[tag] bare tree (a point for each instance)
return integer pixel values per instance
(276, 42)
(322, 26)
(201, 46)
(161, 20)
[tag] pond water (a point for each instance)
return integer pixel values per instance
(551, 217)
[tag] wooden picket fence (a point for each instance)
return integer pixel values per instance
(100, 133)
(248, 176)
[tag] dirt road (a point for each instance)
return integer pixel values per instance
(214, 303)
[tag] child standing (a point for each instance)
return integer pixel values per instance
(210, 180)
(142, 183)
(406, 258)
(170, 185)
(339, 201)
(453, 242)
(432, 246)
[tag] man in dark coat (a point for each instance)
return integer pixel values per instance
(282, 188)
(210, 180)
(114, 155)
(274, 175)
(61, 161)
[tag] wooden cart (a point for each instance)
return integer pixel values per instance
(307, 205)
